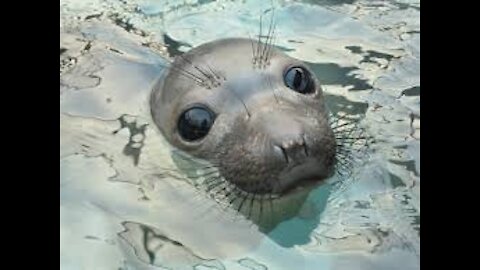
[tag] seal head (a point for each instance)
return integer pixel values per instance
(254, 113)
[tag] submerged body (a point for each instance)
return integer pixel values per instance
(256, 116)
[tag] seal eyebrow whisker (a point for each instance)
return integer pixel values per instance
(254, 57)
(187, 74)
(267, 46)
(271, 45)
(215, 74)
(208, 76)
(259, 43)
(268, 52)
(198, 80)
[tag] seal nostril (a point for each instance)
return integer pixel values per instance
(284, 152)
(305, 147)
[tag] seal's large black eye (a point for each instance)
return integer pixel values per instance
(299, 80)
(195, 123)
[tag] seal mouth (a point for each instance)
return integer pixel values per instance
(274, 191)
(301, 185)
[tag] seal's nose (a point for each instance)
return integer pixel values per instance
(292, 150)
(287, 137)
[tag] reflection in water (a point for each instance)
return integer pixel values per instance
(297, 231)
(155, 248)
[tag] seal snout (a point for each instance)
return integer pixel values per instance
(292, 150)
(287, 136)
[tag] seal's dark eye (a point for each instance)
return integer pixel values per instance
(195, 123)
(299, 80)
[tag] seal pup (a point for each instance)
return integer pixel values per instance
(256, 116)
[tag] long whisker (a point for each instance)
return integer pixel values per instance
(208, 76)
(268, 40)
(186, 74)
(259, 38)
(251, 206)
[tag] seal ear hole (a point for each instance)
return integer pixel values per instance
(299, 80)
(195, 123)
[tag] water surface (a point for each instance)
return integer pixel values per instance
(123, 204)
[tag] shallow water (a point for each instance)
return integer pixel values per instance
(123, 204)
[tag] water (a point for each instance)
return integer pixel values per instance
(124, 206)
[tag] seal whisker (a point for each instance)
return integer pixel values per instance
(235, 195)
(199, 213)
(345, 132)
(352, 138)
(254, 57)
(284, 152)
(215, 74)
(251, 205)
(185, 72)
(337, 117)
(241, 203)
(223, 188)
(272, 211)
(273, 89)
(209, 77)
(188, 75)
(342, 125)
(265, 46)
(210, 187)
(203, 175)
(200, 164)
(261, 208)
(259, 43)
(305, 146)
(274, 38)
(229, 192)
(270, 46)
(199, 81)
(344, 155)
(344, 162)
(211, 180)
